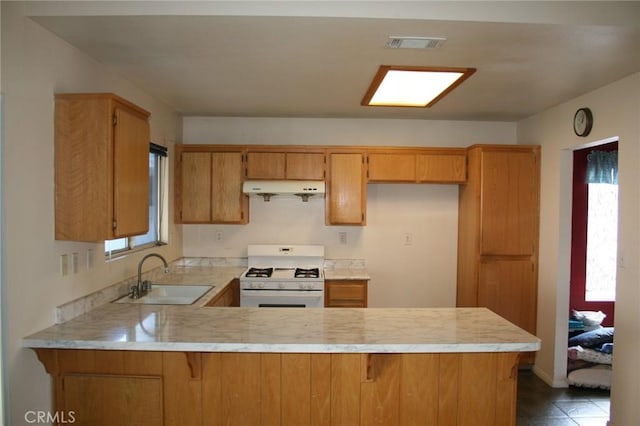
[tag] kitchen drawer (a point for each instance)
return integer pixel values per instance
(345, 293)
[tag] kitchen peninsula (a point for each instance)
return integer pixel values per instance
(176, 365)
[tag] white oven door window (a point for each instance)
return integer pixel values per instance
(281, 299)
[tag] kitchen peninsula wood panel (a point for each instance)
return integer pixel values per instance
(101, 167)
(189, 388)
(498, 225)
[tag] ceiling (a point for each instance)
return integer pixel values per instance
(288, 59)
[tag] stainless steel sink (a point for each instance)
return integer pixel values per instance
(168, 294)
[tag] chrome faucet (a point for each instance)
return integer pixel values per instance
(143, 287)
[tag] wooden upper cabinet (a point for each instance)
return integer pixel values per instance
(510, 202)
(101, 167)
(392, 167)
(265, 165)
(347, 190)
(441, 168)
(209, 188)
(305, 166)
(195, 187)
(421, 166)
(285, 165)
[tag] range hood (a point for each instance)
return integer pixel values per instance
(286, 188)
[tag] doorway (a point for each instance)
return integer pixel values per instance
(594, 227)
(593, 268)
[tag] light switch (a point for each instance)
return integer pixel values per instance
(342, 237)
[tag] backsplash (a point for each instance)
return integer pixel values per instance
(108, 294)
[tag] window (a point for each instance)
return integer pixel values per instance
(157, 184)
(602, 225)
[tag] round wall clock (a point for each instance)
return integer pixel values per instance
(582, 122)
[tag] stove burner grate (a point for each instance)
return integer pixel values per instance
(259, 273)
(307, 273)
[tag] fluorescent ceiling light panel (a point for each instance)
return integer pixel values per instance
(413, 86)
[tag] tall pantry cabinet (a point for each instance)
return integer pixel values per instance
(498, 226)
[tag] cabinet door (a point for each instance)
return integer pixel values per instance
(265, 165)
(101, 167)
(195, 188)
(211, 188)
(131, 174)
(392, 168)
(112, 400)
(347, 190)
(228, 204)
(440, 168)
(508, 287)
(305, 166)
(509, 202)
(345, 293)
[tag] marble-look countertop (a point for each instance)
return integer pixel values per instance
(309, 330)
(346, 274)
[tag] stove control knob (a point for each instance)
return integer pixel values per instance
(252, 285)
(261, 285)
(281, 285)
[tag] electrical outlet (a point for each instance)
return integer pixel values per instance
(74, 263)
(408, 239)
(342, 237)
(64, 265)
(89, 258)
(219, 236)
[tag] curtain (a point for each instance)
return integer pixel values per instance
(602, 167)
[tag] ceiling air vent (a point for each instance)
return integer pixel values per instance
(415, 42)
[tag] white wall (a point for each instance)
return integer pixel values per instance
(616, 110)
(35, 65)
(422, 274)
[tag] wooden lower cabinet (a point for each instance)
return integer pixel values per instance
(345, 293)
(229, 296)
(193, 388)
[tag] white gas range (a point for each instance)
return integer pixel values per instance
(283, 276)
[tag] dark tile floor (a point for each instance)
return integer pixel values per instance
(542, 405)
